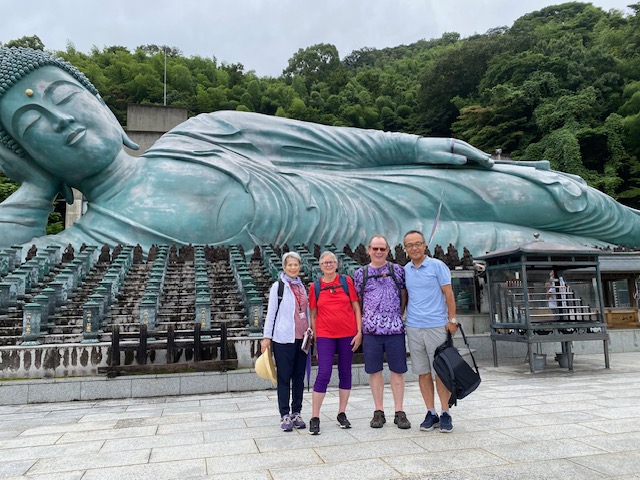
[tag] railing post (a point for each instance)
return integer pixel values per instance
(142, 346)
(223, 341)
(196, 342)
(115, 346)
(170, 344)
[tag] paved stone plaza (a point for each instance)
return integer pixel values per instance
(553, 424)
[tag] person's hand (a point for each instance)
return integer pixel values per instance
(266, 342)
(452, 328)
(449, 151)
(356, 341)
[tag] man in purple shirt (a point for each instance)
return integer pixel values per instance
(383, 297)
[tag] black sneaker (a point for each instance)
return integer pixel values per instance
(401, 420)
(342, 420)
(378, 419)
(431, 421)
(314, 426)
(446, 423)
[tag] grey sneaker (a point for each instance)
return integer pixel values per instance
(285, 423)
(297, 421)
(342, 420)
(431, 421)
(401, 420)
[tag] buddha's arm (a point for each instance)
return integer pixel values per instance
(301, 144)
(23, 215)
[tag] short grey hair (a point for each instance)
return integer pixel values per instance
(292, 255)
(328, 253)
(377, 235)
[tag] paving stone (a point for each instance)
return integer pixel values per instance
(553, 424)
(151, 471)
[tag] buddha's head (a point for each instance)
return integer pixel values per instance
(51, 114)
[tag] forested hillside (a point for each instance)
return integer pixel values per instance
(561, 84)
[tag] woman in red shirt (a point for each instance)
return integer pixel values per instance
(337, 327)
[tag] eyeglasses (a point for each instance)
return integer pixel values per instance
(378, 249)
(409, 246)
(328, 264)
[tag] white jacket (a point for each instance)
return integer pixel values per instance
(285, 329)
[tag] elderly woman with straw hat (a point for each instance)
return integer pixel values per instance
(285, 326)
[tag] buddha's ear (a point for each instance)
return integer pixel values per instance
(126, 141)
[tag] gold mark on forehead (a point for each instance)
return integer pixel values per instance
(29, 92)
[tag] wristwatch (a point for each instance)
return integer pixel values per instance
(453, 320)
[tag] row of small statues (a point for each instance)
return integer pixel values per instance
(186, 253)
(360, 255)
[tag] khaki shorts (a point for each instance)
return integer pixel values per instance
(422, 344)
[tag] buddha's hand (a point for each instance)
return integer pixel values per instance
(26, 172)
(449, 151)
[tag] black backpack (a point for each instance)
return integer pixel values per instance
(456, 374)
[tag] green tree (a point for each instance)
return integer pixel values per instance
(32, 41)
(317, 63)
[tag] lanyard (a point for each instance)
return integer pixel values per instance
(298, 292)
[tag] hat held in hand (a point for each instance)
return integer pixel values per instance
(265, 368)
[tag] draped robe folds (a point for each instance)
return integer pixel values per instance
(318, 184)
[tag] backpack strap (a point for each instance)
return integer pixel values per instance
(280, 295)
(343, 283)
(392, 272)
(467, 344)
(316, 289)
(365, 277)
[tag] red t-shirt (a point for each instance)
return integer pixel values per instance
(335, 317)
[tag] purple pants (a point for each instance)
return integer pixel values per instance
(327, 348)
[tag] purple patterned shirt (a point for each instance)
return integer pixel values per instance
(381, 306)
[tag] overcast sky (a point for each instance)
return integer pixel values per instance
(262, 35)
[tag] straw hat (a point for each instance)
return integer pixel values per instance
(265, 368)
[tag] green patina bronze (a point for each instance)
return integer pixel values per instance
(244, 178)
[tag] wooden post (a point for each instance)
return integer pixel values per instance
(223, 342)
(196, 342)
(142, 348)
(170, 344)
(115, 346)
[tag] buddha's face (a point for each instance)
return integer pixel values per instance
(62, 126)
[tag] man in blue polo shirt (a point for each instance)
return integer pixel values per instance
(431, 313)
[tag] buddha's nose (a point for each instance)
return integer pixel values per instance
(61, 120)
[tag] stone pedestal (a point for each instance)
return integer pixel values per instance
(90, 322)
(31, 318)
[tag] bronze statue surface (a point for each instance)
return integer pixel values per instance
(243, 178)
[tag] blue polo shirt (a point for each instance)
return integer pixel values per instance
(427, 307)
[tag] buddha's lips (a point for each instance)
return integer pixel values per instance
(76, 135)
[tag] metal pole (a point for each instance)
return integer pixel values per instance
(165, 77)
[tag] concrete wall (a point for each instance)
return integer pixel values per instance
(154, 118)
(23, 391)
(147, 123)
(49, 361)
